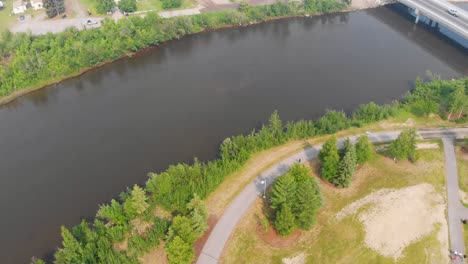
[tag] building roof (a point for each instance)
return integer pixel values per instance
(36, 2)
(18, 3)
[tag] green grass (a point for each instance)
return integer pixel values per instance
(343, 242)
(143, 5)
(465, 236)
(90, 5)
(462, 165)
(5, 19)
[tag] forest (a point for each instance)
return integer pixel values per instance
(181, 188)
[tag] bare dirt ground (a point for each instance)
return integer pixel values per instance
(395, 218)
(299, 259)
(362, 4)
(427, 145)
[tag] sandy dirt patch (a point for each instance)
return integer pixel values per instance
(463, 196)
(395, 218)
(361, 4)
(156, 256)
(299, 259)
(427, 146)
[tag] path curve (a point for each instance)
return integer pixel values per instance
(214, 246)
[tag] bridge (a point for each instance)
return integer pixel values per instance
(436, 10)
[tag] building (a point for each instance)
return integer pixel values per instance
(37, 4)
(19, 7)
(1, 5)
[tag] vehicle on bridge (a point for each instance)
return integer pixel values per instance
(453, 12)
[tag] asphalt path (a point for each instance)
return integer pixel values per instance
(214, 246)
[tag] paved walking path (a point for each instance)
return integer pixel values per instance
(214, 246)
(456, 210)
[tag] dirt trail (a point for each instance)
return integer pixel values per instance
(398, 218)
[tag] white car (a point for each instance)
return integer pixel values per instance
(89, 23)
(453, 12)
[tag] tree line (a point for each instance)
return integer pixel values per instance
(27, 60)
(182, 187)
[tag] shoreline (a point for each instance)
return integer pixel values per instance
(357, 5)
(4, 100)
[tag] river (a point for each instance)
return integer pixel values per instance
(67, 148)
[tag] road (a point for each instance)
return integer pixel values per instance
(214, 246)
(437, 11)
(456, 210)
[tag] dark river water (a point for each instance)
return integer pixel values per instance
(68, 148)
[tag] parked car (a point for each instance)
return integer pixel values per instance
(453, 12)
(21, 17)
(90, 23)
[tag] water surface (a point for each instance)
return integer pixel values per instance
(68, 148)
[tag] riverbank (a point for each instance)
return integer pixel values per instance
(44, 71)
(171, 190)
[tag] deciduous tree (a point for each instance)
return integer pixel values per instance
(364, 149)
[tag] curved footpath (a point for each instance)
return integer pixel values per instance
(214, 246)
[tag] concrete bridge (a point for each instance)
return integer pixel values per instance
(436, 10)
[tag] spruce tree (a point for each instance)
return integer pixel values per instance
(346, 169)
(364, 149)
(283, 191)
(330, 159)
(198, 215)
(71, 252)
(308, 199)
(181, 227)
(179, 251)
(136, 203)
(285, 221)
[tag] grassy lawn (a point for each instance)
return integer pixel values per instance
(465, 236)
(143, 5)
(462, 164)
(5, 19)
(90, 5)
(343, 242)
(225, 193)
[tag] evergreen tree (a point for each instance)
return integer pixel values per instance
(284, 222)
(198, 215)
(308, 199)
(275, 127)
(346, 169)
(112, 212)
(404, 147)
(179, 251)
(181, 227)
(330, 159)
(71, 252)
(54, 7)
(364, 149)
(136, 203)
(128, 6)
(283, 191)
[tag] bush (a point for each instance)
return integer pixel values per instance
(128, 6)
(168, 4)
(364, 150)
(404, 147)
